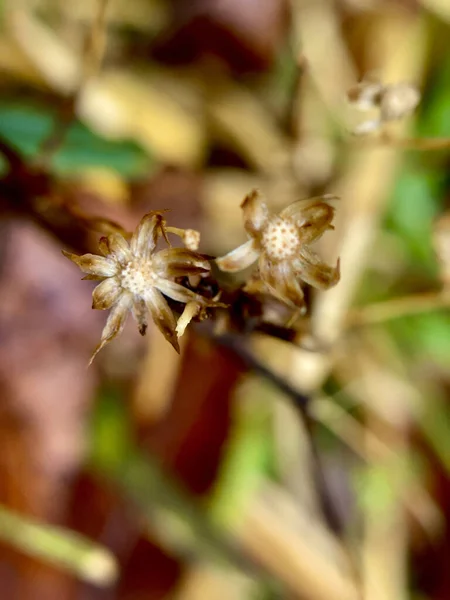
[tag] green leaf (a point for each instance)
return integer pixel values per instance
(26, 126)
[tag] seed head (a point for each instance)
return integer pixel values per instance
(280, 243)
(134, 277)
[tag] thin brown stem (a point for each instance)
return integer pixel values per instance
(408, 143)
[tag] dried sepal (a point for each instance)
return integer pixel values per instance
(255, 212)
(144, 239)
(198, 310)
(176, 262)
(115, 323)
(280, 282)
(240, 258)
(162, 316)
(313, 216)
(93, 264)
(140, 312)
(191, 310)
(117, 245)
(106, 294)
(315, 272)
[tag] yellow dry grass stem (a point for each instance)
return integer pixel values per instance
(412, 304)
(297, 550)
(397, 42)
(60, 547)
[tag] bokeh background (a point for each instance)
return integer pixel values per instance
(247, 467)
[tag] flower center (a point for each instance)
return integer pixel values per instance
(280, 239)
(137, 276)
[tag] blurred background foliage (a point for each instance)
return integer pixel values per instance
(248, 467)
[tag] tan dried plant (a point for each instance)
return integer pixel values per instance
(136, 278)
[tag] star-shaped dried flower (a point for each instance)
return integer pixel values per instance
(135, 277)
(281, 243)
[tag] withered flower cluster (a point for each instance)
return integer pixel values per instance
(280, 243)
(391, 102)
(134, 277)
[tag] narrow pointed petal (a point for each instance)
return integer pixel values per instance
(139, 312)
(191, 310)
(314, 271)
(103, 246)
(162, 316)
(240, 258)
(118, 247)
(176, 291)
(115, 323)
(313, 217)
(92, 278)
(106, 294)
(177, 262)
(255, 212)
(143, 241)
(93, 264)
(282, 282)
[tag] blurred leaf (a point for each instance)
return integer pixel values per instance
(111, 436)
(435, 423)
(435, 117)
(26, 127)
(247, 455)
(412, 210)
(61, 547)
(425, 336)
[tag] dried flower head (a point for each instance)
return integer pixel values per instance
(391, 102)
(281, 243)
(135, 278)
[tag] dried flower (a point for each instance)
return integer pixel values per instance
(392, 102)
(281, 243)
(135, 277)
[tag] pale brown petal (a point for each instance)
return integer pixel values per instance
(313, 216)
(92, 278)
(365, 95)
(240, 258)
(93, 264)
(312, 270)
(106, 294)
(144, 239)
(118, 247)
(115, 323)
(139, 312)
(104, 246)
(255, 212)
(176, 291)
(399, 100)
(190, 237)
(162, 316)
(176, 262)
(282, 281)
(191, 310)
